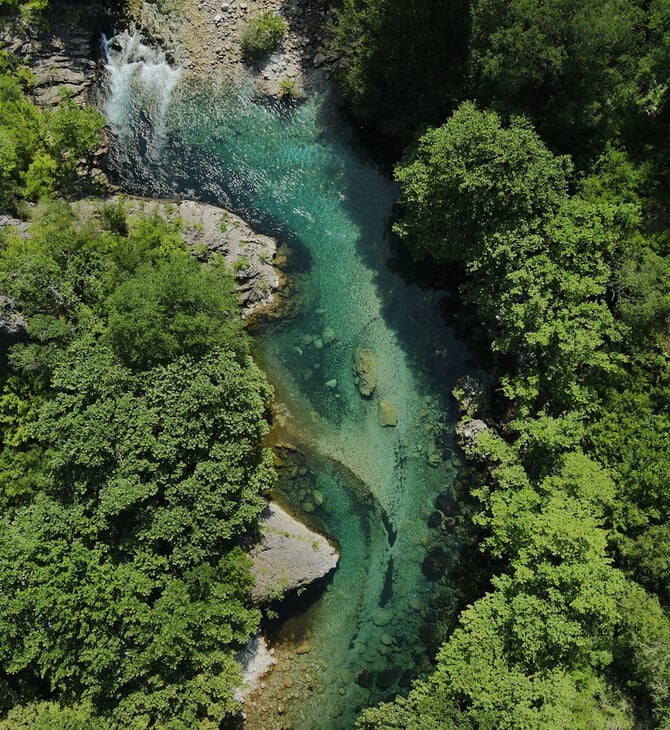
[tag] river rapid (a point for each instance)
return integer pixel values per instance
(298, 172)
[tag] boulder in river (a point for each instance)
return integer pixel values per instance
(289, 555)
(382, 617)
(468, 431)
(434, 564)
(365, 370)
(445, 504)
(435, 519)
(388, 416)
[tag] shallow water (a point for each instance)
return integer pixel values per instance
(299, 173)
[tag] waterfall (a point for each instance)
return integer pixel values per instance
(141, 87)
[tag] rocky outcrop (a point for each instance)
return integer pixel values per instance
(289, 555)
(468, 432)
(63, 55)
(60, 61)
(208, 230)
(204, 37)
(255, 661)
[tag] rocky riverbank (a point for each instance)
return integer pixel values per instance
(204, 37)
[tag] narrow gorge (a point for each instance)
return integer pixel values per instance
(365, 462)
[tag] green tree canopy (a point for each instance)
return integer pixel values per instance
(474, 177)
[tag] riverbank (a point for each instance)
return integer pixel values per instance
(203, 37)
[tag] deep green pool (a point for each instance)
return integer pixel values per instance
(300, 173)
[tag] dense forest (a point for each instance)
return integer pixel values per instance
(530, 143)
(131, 469)
(533, 170)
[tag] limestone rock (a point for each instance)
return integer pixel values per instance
(289, 555)
(388, 416)
(255, 661)
(365, 370)
(468, 432)
(304, 648)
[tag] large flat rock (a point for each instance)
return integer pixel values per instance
(289, 555)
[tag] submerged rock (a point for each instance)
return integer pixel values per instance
(365, 370)
(435, 519)
(304, 648)
(386, 678)
(388, 416)
(365, 678)
(445, 504)
(381, 617)
(289, 555)
(434, 564)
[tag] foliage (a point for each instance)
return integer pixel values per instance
(172, 308)
(27, 8)
(566, 275)
(124, 589)
(569, 66)
(471, 178)
(263, 35)
(39, 150)
(402, 62)
(288, 89)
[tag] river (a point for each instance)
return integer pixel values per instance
(299, 172)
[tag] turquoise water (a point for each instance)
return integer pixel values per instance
(299, 173)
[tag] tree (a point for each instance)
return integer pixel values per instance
(570, 66)
(402, 62)
(172, 308)
(128, 480)
(472, 178)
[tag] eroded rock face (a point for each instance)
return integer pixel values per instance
(289, 555)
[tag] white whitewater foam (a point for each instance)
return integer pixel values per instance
(141, 81)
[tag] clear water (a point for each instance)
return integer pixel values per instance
(299, 173)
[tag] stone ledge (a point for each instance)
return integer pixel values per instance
(289, 555)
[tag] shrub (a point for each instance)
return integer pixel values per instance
(263, 35)
(288, 89)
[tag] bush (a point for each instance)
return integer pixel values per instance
(288, 89)
(263, 35)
